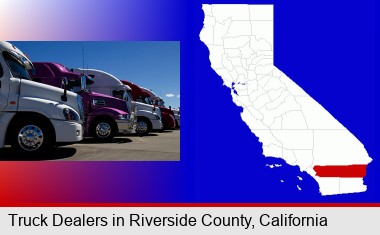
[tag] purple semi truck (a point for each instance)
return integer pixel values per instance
(104, 116)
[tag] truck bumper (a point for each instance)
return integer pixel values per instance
(156, 124)
(126, 126)
(67, 131)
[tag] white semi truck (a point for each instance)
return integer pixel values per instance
(34, 116)
(148, 117)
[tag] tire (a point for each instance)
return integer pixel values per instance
(164, 125)
(31, 136)
(143, 126)
(103, 129)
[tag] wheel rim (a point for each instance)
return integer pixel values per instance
(103, 130)
(142, 127)
(30, 138)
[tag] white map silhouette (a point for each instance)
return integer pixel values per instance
(288, 122)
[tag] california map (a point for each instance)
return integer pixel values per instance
(289, 123)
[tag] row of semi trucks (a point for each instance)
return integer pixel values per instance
(46, 104)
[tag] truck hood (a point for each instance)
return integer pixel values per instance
(39, 90)
(166, 110)
(95, 94)
(147, 107)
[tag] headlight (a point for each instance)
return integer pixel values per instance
(124, 117)
(70, 115)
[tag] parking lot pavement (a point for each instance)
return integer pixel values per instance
(163, 146)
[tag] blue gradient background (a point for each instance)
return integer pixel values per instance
(327, 47)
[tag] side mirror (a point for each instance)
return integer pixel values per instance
(154, 108)
(83, 83)
(64, 84)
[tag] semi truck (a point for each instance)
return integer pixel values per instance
(159, 102)
(105, 116)
(33, 116)
(148, 116)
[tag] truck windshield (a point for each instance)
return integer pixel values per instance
(143, 99)
(161, 103)
(17, 68)
(158, 102)
(147, 100)
(120, 94)
(79, 85)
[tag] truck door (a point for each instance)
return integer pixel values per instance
(3, 90)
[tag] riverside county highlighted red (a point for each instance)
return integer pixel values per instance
(289, 123)
(350, 171)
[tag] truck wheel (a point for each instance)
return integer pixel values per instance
(31, 137)
(143, 126)
(104, 130)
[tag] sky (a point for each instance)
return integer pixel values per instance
(151, 64)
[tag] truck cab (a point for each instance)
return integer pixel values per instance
(148, 116)
(33, 116)
(172, 118)
(105, 116)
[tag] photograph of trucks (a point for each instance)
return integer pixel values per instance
(47, 107)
